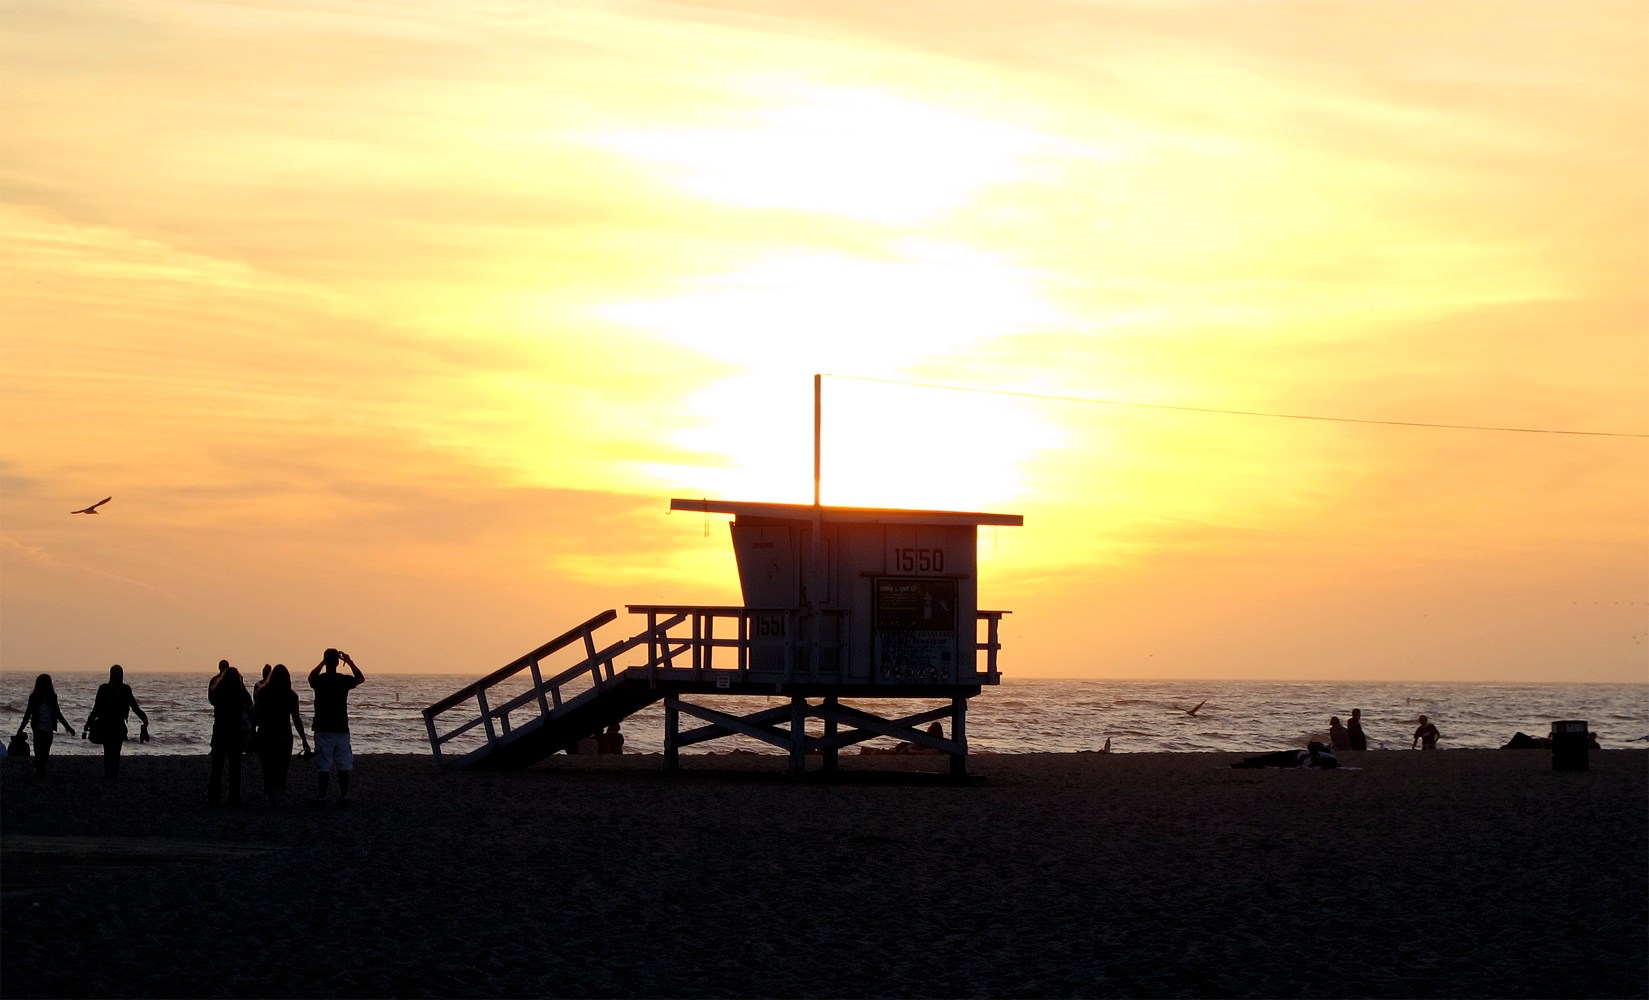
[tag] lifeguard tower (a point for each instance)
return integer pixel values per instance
(840, 603)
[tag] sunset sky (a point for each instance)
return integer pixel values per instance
(395, 326)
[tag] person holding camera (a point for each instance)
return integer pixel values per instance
(331, 723)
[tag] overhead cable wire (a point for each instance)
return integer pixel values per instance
(1235, 413)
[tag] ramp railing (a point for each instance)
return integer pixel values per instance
(520, 686)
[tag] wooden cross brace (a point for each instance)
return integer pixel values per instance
(767, 727)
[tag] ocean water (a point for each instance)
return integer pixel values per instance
(1017, 716)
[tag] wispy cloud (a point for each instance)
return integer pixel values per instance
(453, 290)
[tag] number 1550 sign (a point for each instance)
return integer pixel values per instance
(918, 559)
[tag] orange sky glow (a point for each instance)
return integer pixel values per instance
(395, 326)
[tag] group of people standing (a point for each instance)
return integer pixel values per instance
(260, 720)
(1350, 735)
(106, 726)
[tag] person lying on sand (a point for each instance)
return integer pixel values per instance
(1314, 755)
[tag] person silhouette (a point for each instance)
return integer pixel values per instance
(231, 710)
(611, 741)
(1338, 736)
(276, 714)
(1314, 755)
(43, 711)
(1354, 731)
(1426, 735)
(331, 725)
(262, 681)
(106, 725)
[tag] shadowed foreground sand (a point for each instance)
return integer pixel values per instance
(1457, 873)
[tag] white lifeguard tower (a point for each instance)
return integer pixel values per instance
(857, 603)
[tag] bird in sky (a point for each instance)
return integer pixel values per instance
(93, 508)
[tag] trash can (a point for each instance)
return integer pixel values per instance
(1569, 745)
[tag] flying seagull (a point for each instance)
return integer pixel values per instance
(1194, 711)
(93, 508)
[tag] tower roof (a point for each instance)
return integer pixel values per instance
(859, 515)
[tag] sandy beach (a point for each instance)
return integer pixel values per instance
(1450, 874)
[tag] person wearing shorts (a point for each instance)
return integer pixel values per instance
(331, 723)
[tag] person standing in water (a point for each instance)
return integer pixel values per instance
(106, 725)
(44, 713)
(331, 725)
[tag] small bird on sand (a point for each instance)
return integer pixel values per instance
(93, 508)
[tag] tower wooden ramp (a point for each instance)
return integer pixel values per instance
(522, 712)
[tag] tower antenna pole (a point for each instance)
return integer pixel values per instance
(817, 582)
(818, 424)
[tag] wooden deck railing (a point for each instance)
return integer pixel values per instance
(990, 645)
(742, 630)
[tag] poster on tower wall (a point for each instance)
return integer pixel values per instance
(915, 630)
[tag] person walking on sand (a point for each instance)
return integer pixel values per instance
(43, 711)
(331, 725)
(1354, 731)
(106, 726)
(1426, 736)
(276, 714)
(231, 718)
